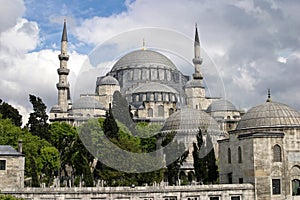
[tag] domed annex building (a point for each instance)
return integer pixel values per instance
(264, 150)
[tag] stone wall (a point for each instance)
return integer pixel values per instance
(13, 176)
(196, 192)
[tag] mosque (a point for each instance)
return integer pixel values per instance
(260, 147)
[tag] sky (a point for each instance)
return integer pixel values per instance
(251, 45)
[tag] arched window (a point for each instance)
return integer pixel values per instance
(229, 155)
(160, 111)
(240, 155)
(150, 112)
(277, 153)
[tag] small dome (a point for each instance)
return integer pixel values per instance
(269, 114)
(221, 105)
(190, 120)
(143, 58)
(87, 102)
(193, 83)
(154, 87)
(107, 80)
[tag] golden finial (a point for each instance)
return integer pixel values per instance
(144, 45)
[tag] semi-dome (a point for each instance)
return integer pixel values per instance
(143, 58)
(154, 87)
(87, 102)
(190, 120)
(107, 80)
(221, 105)
(269, 114)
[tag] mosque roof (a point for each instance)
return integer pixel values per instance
(87, 102)
(7, 150)
(221, 105)
(143, 58)
(107, 80)
(269, 114)
(154, 87)
(190, 120)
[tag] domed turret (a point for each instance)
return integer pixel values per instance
(269, 114)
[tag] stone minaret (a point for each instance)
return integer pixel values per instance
(197, 59)
(63, 71)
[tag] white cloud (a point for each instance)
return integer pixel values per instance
(245, 39)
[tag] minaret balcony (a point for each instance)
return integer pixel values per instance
(63, 57)
(197, 61)
(62, 85)
(63, 71)
(197, 76)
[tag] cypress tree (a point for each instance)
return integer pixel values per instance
(199, 162)
(212, 168)
(110, 126)
(37, 122)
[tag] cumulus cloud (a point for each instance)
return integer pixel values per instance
(247, 40)
(253, 45)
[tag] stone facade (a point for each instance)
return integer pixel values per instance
(264, 150)
(11, 168)
(197, 192)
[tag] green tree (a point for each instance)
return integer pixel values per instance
(174, 167)
(205, 164)
(199, 161)
(32, 146)
(63, 136)
(110, 126)
(37, 122)
(49, 159)
(212, 167)
(8, 197)
(10, 112)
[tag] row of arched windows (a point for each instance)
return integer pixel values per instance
(160, 111)
(277, 157)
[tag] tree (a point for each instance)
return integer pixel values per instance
(63, 136)
(212, 168)
(205, 165)
(199, 161)
(37, 123)
(7, 111)
(173, 168)
(110, 126)
(8, 197)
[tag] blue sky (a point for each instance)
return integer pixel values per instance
(252, 44)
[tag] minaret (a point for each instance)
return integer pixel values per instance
(63, 71)
(197, 60)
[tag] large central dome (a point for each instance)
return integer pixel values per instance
(269, 114)
(144, 58)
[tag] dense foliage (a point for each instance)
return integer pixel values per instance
(57, 153)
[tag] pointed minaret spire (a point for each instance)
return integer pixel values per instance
(197, 60)
(269, 96)
(64, 36)
(63, 72)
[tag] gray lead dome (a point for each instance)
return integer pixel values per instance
(190, 120)
(87, 103)
(269, 114)
(143, 58)
(221, 105)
